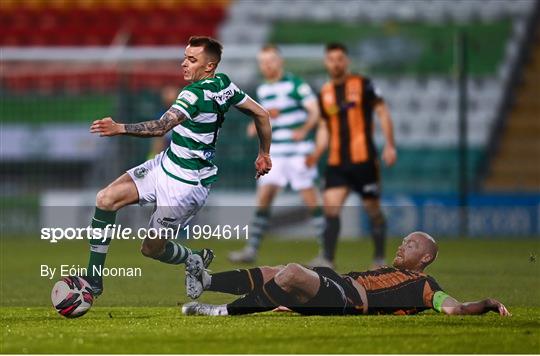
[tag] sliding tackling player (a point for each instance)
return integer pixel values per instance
(401, 290)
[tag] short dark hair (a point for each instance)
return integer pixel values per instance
(270, 47)
(211, 46)
(336, 46)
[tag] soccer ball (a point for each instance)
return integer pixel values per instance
(72, 297)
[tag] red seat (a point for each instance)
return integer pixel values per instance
(50, 25)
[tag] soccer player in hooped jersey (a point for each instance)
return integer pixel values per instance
(178, 179)
(294, 111)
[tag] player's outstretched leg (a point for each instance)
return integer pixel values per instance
(291, 286)
(118, 194)
(233, 282)
(254, 302)
(237, 282)
(98, 250)
(246, 282)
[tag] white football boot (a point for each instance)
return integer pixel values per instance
(196, 308)
(197, 278)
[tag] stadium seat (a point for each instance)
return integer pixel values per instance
(24, 24)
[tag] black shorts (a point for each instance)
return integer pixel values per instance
(336, 296)
(361, 178)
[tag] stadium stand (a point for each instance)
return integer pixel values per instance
(48, 103)
(423, 96)
(422, 93)
(30, 23)
(511, 167)
(379, 10)
(102, 23)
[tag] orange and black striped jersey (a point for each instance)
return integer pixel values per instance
(348, 111)
(394, 291)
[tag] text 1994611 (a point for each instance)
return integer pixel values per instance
(220, 232)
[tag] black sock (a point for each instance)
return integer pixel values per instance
(255, 302)
(378, 233)
(330, 237)
(240, 281)
(278, 296)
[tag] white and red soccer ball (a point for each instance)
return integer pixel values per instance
(72, 297)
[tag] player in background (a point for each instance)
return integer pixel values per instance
(348, 102)
(403, 289)
(178, 180)
(168, 97)
(294, 112)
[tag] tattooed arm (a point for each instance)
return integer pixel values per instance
(108, 127)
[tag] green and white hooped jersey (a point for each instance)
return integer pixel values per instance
(189, 158)
(288, 96)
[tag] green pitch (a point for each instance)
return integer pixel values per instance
(141, 314)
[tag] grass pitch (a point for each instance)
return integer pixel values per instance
(141, 314)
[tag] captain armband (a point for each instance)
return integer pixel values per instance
(438, 298)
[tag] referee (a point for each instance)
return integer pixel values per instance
(347, 104)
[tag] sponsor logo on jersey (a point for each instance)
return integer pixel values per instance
(140, 172)
(222, 96)
(209, 154)
(188, 96)
(167, 222)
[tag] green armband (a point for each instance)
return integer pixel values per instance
(438, 298)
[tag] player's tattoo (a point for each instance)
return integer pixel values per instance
(159, 127)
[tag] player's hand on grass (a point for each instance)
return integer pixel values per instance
(497, 307)
(281, 309)
(107, 127)
(389, 155)
(263, 164)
